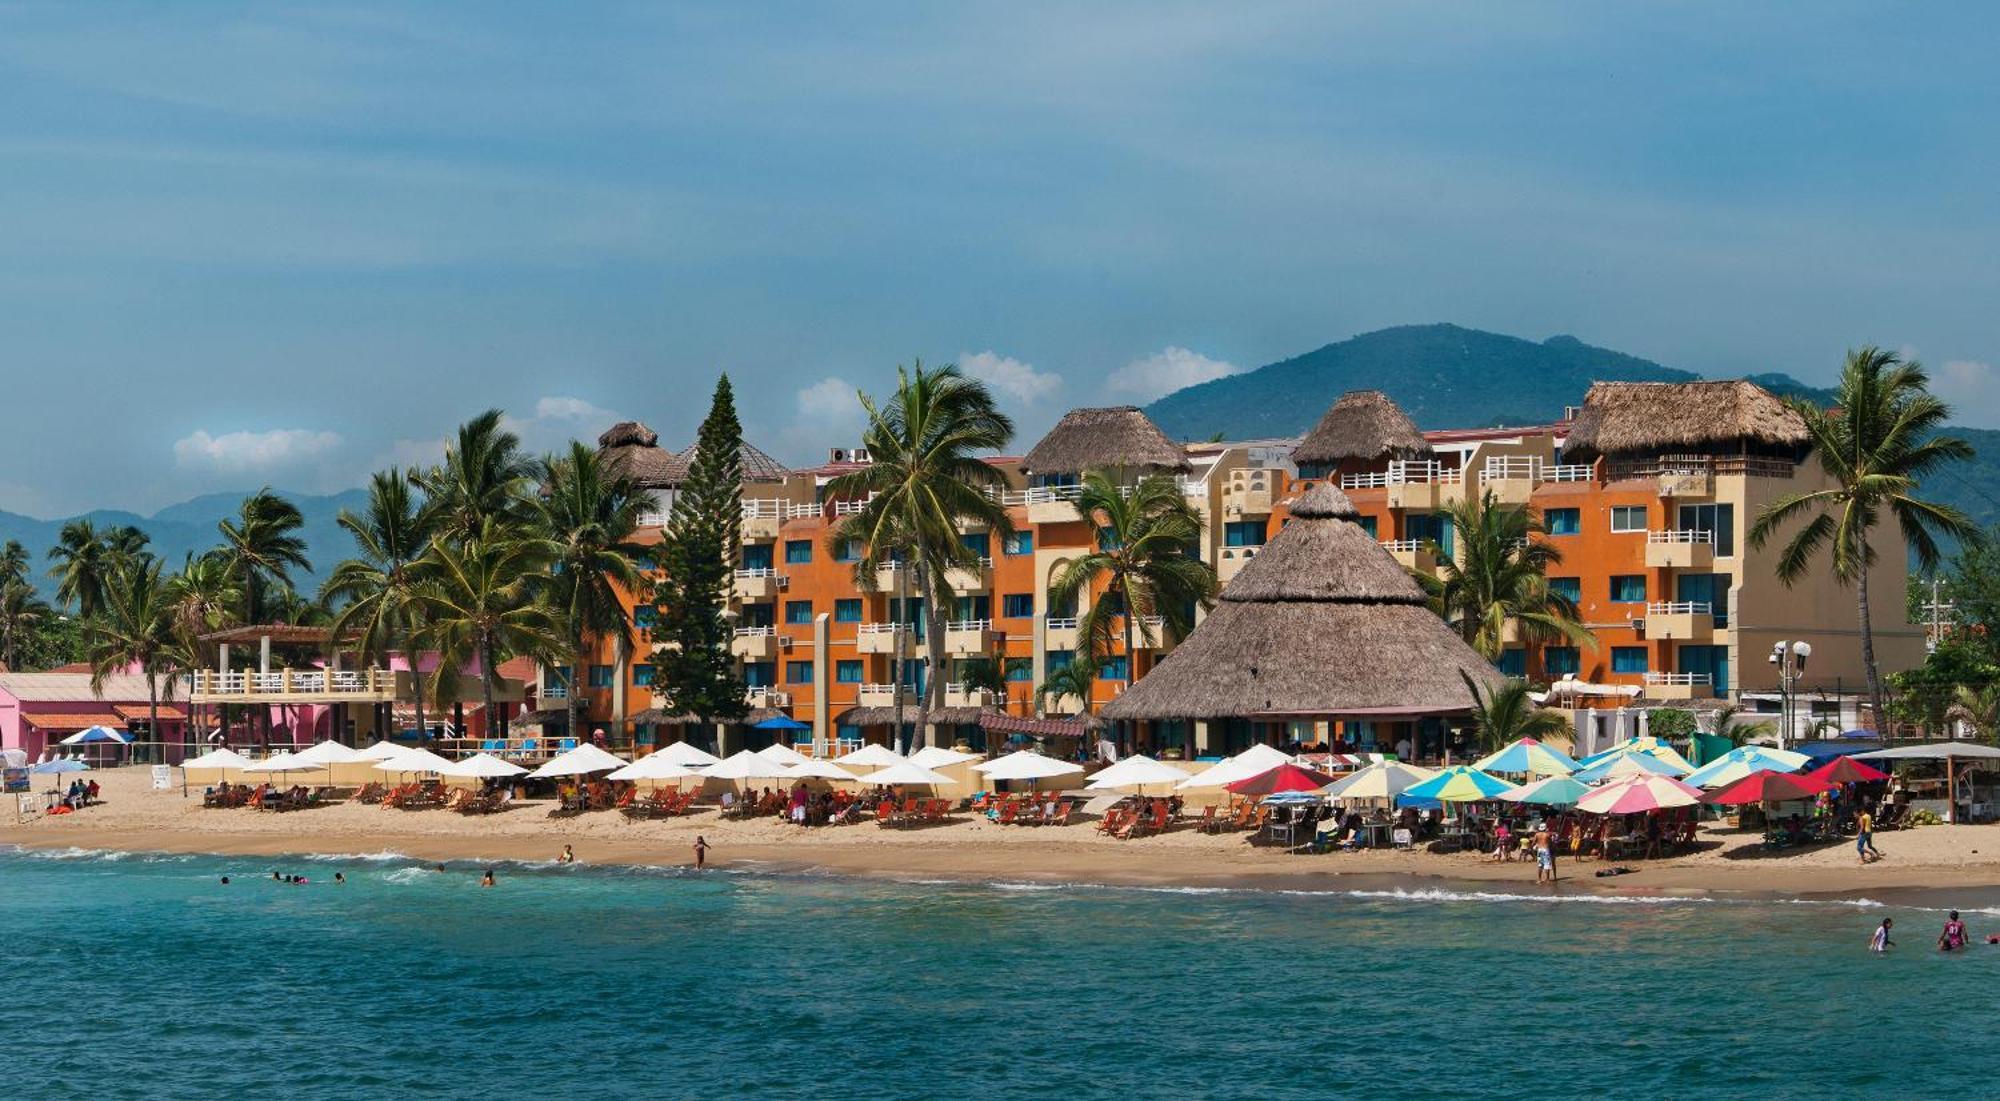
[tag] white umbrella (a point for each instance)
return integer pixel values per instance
(654, 766)
(782, 754)
(1382, 780)
(745, 765)
(218, 758)
(1026, 764)
(937, 756)
(381, 751)
(1136, 771)
(1255, 761)
(681, 753)
(283, 762)
(906, 773)
(414, 760)
(332, 753)
(817, 770)
(481, 766)
(582, 760)
(873, 756)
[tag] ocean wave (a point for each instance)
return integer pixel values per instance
(386, 856)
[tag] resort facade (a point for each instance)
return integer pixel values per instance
(1647, 490)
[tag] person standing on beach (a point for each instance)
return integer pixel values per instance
(1545, 854)
(700, 852)
(1864, 837)
(1880, 942)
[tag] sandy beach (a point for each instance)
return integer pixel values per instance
(135, 818)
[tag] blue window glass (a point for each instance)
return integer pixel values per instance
(642, 675)
(1021, 670)
(1114, 668)
(847, 732)
(756, 615)
(645, 616)
(759, 674)
(1020, 542)
(1432, 527)
(798, 611)
(1560, 661)
(847, 550)
(972, 608)
(978, 542)
(1711, 589)
(1571, 587)
(1513, 662)
(1563, 521)
(1017, 605)
(757, 556)
(847, 671)
(1713, 660)
(1060, 659)
(1628, 659)
(799, 672)
(1628, 588)
(600, 676)
(1367, 524)
(847, 610)
(798, 552)
(1244, 533)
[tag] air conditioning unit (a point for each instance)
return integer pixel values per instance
(784, 642)
(784, 582)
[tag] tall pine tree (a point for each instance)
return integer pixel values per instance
(694, 670)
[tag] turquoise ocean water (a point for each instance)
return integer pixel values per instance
(142, 976)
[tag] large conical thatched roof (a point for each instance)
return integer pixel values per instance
(1364, 425)
(1321, 623)
(1653, 418)
(632, 450)
(758, 466)
(1115, 438)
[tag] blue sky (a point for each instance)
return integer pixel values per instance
(287, 244)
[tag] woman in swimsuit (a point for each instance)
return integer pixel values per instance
(1953, 937)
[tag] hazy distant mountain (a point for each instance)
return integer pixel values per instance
(1445, 376)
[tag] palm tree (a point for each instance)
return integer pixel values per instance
(480, 600)
(1073, 679)
(82, 567)
(203, 597)
(1500, 576)
(1882, 439)
(925, 480)
(13, 562)
(482, 478)
(1506, 715)
(262, 547)
(136, 630)
(375, 590)
(590, 516)
(1141, 565)
(983, 674)
(1728, 725)
(21, 611)
(1978, 708)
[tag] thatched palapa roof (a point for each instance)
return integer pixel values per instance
(1114, 438)
(1364, 425)
(632, 450)
(1654, 418)
(1322, 623)
(757, 465)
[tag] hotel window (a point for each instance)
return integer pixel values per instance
(1561, 661)
(1244, 533)
(1719, 520)
(757, 556)
(600, 676)
(799, 672)
(755, 615)
(798, 552)
(759, 674)
(798, 611)
(847, 610)
(1711, 589)
(1017, 606)
(1713, 660)
(1432, 527)
(1019, 542)
(1571, 587)
(1628, 588)
(1367, 524)
(1628, 518)
(847, 550)
(978, 542)
(967, 608)
(1115, 667)
(1563, 521)
(1628, 659)
(1021, 670)
(1513, 662)
(1060, 659)
(645, 616)
(642, 675)
(847, 671)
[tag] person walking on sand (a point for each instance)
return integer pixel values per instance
(1880, 942)
(1864, 837)
(1545, 854)
(700, 852)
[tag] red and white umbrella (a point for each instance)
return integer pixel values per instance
(1638, 794)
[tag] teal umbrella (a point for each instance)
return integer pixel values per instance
(1556, 791)
(1459, 784)
(1626, 764)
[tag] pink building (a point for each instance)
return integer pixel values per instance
(40, 709)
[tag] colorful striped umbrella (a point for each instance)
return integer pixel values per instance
(1766, 787)
(1742, 761)
(1637, 794)
(1552, 791)
(1646, 744)
(1459, 784)
(1620, 765)
(1529, 756)
(1281, 779)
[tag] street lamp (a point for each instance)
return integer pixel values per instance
(1790, 658)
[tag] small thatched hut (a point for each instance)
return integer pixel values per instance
(1321, 624)
(1364, 426)
(1115, 438)
(1649, 419)
(632, 450)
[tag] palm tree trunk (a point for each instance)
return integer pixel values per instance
(416, 683)
(1868, 648)
(1131, 655)
(897, 663)
(153, 716)
(576, 698)
(933, 693)
(486, 685)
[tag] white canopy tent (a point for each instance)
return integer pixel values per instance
(937, 756)
(482, 766)
(381, 751)
(1138, 771)
(782, 754)
(1025, 764)
(1255, 761)
(332, 753)
(655, 766)
(681, 753)
(219, 758)
(414, 760)
(581, 761)
(811, 769)
(872, 756)
(906, 774)
(745, 765)
(283, 763)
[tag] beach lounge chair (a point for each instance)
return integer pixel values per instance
(1402, 838)
(885, 813)
(1009, 812)
(1208, 823)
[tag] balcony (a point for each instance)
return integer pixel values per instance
(767, 697)
(1232, 560)
(1411, 483)
(889, 577)
(1680, 550)
(1150, 626)
(976, 580)
(296, 686)
(759, 583)
(1510, 478)
(761, 520)
(880, 695)
(875, 638)
(1059, 633)
(1248, 492)
(1052, 504)
(1411, 554)
(964, 695)
(1687, 480)
(1680, 620)
(754, 643)
(969, 637)
(1679, 686)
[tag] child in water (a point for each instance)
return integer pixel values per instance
(1880, 942)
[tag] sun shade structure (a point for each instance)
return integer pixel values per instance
(937, 756)
(284, 762)
(1322, 623)
(1644, 743)
(1112, 438)
(1742, 761)
(1528, 756)
(780, 722)
(482, 766)
(1636, 794)
(631, 450)
(1934, 751)
(1364, 425)
(778, 753)
(1654, 418)
(581, 761)
(1136, 771)
(1552, 791)
(907, 774)
(1284, 778)
(745, 765)
(59, 765)
(872, 756)
(1027, 765)
(381, 751)
(1251, 762)
(96, 735)
(682, 753)
(1383, 780)
(1459, 784)
(1841, 770)
(218, 758)
(655, 767)
(414, 760)
(1620, 765)
(812, 769)
(1766, 787)
(332, 753)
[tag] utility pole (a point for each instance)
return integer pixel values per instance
(1940, 611)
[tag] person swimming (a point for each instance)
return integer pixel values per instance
(487, 879)
(1953, 937)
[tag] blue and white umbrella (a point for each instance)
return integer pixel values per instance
(98, 734)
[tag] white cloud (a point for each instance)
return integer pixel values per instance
(556, 421)
(572, 409)
(826, 414)
(1010, 376)
(1165, 371)
(1972, 388)
(249, 452)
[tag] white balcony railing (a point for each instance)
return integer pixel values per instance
(1567, 472)
(1510, 468)
(1402, 546)
(1065, 623)
(1405, 472)
(1684, 679)
(877, 628)
(298, 682)
(755, 632)
(806, 511)
(763, 510)
(754, 573)
(1680, 607)
(1707, 537)
(654, 519)
(969, 625)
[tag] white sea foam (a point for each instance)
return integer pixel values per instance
(408, 875)
(384, 857)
